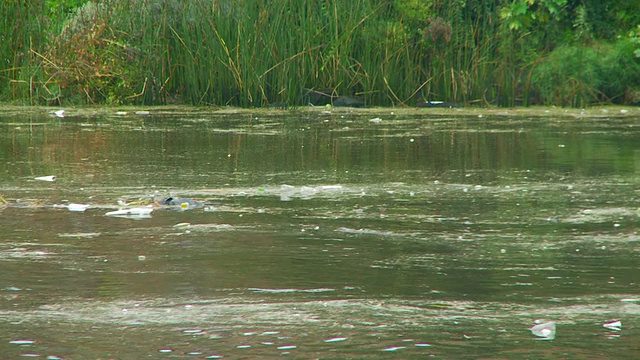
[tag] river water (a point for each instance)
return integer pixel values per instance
(321, 234)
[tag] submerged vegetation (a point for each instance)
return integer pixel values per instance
(253, 53)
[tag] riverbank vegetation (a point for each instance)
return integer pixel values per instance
(253, 53)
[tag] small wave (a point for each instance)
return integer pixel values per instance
(284, 291)
(366, 231)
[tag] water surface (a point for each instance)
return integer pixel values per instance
(323, 234)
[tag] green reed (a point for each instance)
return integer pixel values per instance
(255, 52)
(20, 49)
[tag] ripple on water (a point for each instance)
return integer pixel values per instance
(286, 291)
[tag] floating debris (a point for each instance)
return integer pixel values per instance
(335, 339)
(614, 325)
(286, 347)
(375, 120)
(181, 203)
(50, 178)
(243, 346)
(394, 348)
(137, 211)
(166, 350)
(59, 113)
(546, 331)
(77, 207)
(22, 342)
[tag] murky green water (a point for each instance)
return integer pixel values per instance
(322, 235)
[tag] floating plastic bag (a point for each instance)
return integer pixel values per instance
(46, 178)
(77, 207)
(614, 325)
(134, 213)
(545, 331)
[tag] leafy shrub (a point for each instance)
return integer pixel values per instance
(579, 75)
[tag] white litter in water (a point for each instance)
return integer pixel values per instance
(394, 348)
(375, 120)
(22, 342)
(77, 207)
(335, 339)
(46, 178)
(132, 211)
(546, 331)
(59, 113)
(286, 347)
(614, 325)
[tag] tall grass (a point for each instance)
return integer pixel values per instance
(255, 52)
(23, 29)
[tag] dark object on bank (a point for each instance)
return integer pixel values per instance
(348, 101)
(321, 97)
(190, 203)
(437, 104)
(329, 96)
(279, 105)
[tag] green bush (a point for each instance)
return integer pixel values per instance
(600, 73)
